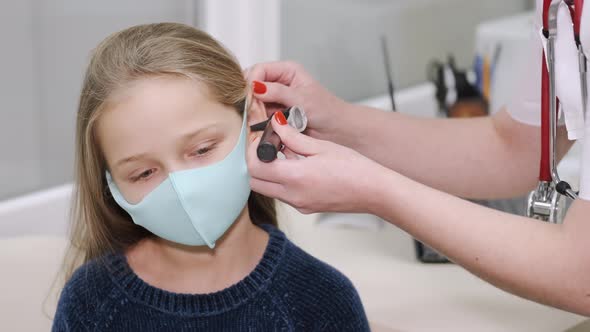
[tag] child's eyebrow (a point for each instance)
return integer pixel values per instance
(213, 127)
(130, 159)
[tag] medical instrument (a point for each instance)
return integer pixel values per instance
(270, 143)
(547, 201)
(297, 121)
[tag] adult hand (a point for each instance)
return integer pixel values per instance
(327, 177)
(284, 84)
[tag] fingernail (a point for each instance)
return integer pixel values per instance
(280, 117)
(259, 87)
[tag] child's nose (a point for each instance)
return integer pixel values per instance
(177, 165)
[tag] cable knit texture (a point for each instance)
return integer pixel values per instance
(288, 290)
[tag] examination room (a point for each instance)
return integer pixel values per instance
(294, 165)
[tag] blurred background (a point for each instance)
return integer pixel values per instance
(46, 45)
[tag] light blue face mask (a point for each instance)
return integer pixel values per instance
(194, 207)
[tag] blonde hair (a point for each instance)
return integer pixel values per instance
(99, 226)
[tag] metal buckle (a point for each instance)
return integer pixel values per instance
(546, 204)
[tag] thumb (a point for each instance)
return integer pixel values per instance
(293, 139)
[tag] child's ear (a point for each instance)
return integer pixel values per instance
(257, 112)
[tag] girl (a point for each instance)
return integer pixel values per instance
(164, 224)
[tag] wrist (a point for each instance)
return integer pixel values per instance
(344, 129)
(379, 191)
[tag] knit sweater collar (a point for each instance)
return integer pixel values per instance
(201, 304)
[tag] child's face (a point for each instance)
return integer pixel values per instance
(161, 125)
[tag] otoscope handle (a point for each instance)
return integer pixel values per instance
(269, 144)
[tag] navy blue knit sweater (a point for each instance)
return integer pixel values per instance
(288, 290)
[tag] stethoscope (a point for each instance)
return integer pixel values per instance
(547, 201)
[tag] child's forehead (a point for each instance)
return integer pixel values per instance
(162, 85)
(159, 98)
(161, 108)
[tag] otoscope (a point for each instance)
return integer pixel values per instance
(270, 143)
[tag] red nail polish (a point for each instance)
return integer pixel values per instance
(259, 87)
(280, 117)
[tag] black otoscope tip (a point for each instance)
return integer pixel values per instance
(270, 142)
(266, 152)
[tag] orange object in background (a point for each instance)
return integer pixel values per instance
(468, 109)
(486, 79)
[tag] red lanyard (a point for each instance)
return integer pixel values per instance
(545, 167)
(545, 164)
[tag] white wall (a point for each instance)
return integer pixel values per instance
(249, 28)
(19, 108)
(338, 40)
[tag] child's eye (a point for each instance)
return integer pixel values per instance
(143, 175)
(202, 151)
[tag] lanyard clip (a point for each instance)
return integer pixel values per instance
(546, 204)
